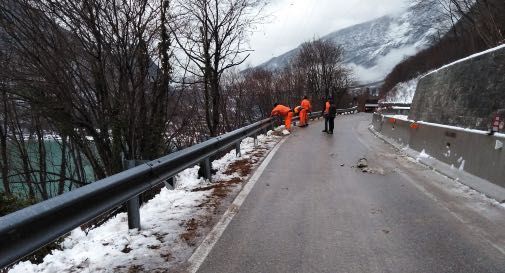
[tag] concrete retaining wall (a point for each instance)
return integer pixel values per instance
(471, 151)
(466, 94)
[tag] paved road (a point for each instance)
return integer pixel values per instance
(309, 214)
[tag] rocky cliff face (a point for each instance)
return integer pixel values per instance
(466, 93)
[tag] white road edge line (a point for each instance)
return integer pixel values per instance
(201, 253)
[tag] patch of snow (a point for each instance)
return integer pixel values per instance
(422, 155)
(462, 166)
(498, 145)
(111, 247)
(466, 59)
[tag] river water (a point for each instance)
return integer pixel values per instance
(53, 158)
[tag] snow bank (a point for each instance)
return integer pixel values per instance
(113, 248)
(402, 92)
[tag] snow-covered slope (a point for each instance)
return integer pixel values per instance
(403, 92)
(373, 48)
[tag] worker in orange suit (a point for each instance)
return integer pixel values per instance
(297, 110)
(285, 112)
(326, 114)
(304, 113)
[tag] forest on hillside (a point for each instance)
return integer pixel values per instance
(476, 25)
(88, 84)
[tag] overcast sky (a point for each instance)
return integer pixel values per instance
(292, 22)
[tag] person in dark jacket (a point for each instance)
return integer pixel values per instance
(332, 113)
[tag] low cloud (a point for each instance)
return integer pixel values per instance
(384, 66)
(292, 22)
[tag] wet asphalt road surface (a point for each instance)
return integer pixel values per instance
(307, 213)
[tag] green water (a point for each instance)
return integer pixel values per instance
(53, 162)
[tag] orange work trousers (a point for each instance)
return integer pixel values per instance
(303, 117)
(287, 120)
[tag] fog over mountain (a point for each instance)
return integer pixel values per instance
(373, 48)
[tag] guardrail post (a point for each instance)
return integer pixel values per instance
(237, 149)
(169, 183)
(133, 205)
(206, 169)
(255, 137)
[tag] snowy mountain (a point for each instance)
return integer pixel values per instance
(373, 48)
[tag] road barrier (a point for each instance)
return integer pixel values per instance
(348, 111)
(26, 230)
(393, 108)
(472, 151)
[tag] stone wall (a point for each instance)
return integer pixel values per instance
(465, 94)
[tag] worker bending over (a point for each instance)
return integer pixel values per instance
(304, 113)
(296, 113)
(285, 112)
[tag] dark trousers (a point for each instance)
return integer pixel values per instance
(331, 124)
(326, 121)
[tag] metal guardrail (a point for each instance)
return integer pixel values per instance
(348, 110)
(26, 230)
(394, 108)
(390, 104)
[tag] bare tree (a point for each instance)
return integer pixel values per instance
(484, 17)
(212, 34)
(89, 67)
(320, 62)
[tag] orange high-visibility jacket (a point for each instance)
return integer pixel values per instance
(327, 107)
(280, 110)
(306, 105)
